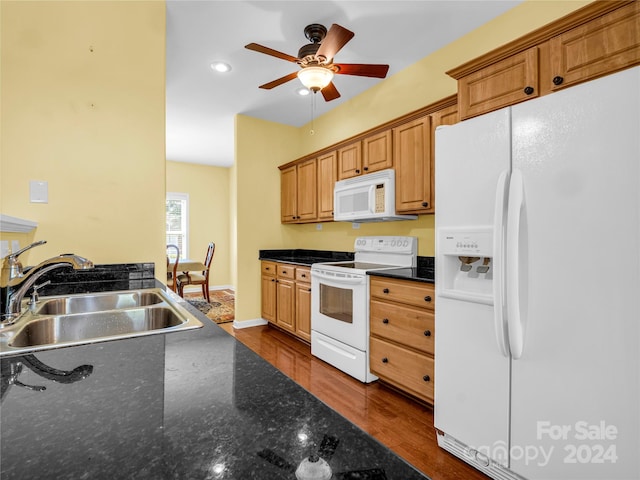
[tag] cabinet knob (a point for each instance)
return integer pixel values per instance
(557, 80)
(357, 171)
(303, 275)
(386, 290)
(528, 90)
(273, 279)
(427, 333)
(385, 320)
(385, 360)
(308, 290)
(427, 298)
(425, 204)
(366, 169)
(426, 378)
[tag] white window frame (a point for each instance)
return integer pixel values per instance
(182, 197)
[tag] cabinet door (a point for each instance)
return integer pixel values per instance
(350, 161)
(268, 293)
(306, 188)
(286, 305)
(377, 152)
(503, 83)
(412, 157)
(327, 176)
(604, 45)
(288, 194)
(303, 311)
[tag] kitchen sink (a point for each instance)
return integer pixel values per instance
(98, 302)
(96, 317)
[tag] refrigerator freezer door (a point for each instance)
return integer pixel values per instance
(575, 389)
(472, 388)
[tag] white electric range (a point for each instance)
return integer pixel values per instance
(340, 301)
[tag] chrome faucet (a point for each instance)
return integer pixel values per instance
(14, 282)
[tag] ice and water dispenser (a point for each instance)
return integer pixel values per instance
(466, 264)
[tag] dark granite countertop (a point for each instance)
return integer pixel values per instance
(423, 272)
(190, 405)
(304, 257)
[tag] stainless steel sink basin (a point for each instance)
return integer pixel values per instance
(74, 328)
(98, 302)
(89, 318)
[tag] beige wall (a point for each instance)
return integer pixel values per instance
(209, 212)
(83, 98)
(417, 86)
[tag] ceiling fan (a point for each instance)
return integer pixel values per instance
(316, 60)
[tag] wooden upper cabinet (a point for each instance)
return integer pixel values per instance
(604, 45)
(377, 152)
(350, 160)
(503, 83)
(412, 157)
(307, 190)
(298, 193)
(288, 194)
(327, 176)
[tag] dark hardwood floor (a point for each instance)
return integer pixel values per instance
(402, 424)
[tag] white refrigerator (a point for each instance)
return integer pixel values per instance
(537, 362)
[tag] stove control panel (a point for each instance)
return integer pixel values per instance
(389, 244)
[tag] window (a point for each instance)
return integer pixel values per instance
(177, 221)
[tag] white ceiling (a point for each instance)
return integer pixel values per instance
(201, 103)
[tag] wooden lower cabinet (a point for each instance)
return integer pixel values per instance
(268, 291)
(402, 335)
(303, 303)
(286, 297)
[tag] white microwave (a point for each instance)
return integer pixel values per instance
(367, 198)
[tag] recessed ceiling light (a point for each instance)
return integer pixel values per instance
(303, 92)
(221, 67)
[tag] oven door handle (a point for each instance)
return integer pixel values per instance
(338, 280)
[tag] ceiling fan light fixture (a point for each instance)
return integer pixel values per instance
(315, 78)
(221, 67)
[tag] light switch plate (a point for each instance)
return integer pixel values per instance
(38, 191)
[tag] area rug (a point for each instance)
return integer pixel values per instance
(221, 309)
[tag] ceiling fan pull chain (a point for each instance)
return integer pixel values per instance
(313, 111)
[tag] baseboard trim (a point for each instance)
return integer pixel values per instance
(249, 323)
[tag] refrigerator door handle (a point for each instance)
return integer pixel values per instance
(500, 320)
(515, 320)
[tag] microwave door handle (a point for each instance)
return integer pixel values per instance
(343, 280)
(372, 198)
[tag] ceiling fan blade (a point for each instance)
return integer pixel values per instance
(328, 447)
(336, 38)
(362, 69)
(279, 81)
(270, 51)
(330, 92)
(276, 460)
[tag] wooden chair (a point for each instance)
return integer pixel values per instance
(190, 278)
(172, 272)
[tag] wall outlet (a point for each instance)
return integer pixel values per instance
(355, 225)
(38, 191)
(319, 227)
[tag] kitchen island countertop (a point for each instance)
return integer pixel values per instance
(190, 405)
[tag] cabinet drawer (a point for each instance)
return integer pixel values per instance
(408, 370)
(268, 268)
(303, 274)
(403, 291)
(287, 271)
(409, 326)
